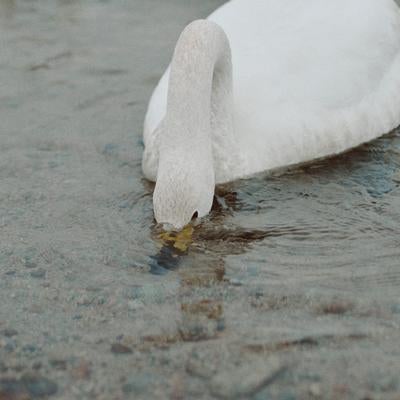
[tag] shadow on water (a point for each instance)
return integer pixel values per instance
(371, 166)
(369, 169)
(195, 240)
(200, 269)
(285, 218)
(284, 212)
(202, 315)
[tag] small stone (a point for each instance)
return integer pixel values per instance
(101, 301)
(8, 344)
(246, 380)
(12, 389)
(18, 368)
(8, 332)
(58, 363)
(84, 300)
(39, 273)
(119, 348)
(336, 307)
(200, 367)
(3, 367)
(235, 282)
(38, 386)
(30, 264)
(29, 348)
(37, 365)
(27, 387)
(315, 390)
(82, 370)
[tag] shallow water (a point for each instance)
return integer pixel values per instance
(289, 289)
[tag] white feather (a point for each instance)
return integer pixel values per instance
(311, 78)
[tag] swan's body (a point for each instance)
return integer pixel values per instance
(311, 78)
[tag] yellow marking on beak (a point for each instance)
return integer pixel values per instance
(180, 240)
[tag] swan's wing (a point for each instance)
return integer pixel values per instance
(311, 78)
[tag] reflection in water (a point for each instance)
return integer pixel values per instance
(188, 252)
(167, 259)
(283, 218)
(173, 246)
(202, 315)
(208, 233)
(329, 214)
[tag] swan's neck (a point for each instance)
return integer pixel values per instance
(199, 118)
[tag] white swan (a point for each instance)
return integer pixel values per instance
(311, 78)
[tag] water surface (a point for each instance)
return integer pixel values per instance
(289, 289)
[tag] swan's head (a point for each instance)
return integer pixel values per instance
(184, 190)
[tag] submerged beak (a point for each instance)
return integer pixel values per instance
(179, 240)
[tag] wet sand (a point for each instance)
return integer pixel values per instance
(289, 290)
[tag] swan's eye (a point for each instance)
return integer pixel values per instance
(195, 215)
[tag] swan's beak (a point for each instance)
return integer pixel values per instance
(179, 240)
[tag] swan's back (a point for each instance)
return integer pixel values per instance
(311, 78)
(327, 53)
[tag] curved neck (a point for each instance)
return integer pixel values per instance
(199, 117)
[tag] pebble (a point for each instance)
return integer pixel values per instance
(39, 273)
(85, 300)
(8, 332)
(3, 367)
(119, 348)
(37, 365)
(315, 390)
(27, 387)
(29, 348)
(235, 282)
(8, 344)
(199, 367)
(246, 380)
(30, 264)
(82, 370)
(18, 368)
(38, 386)
(58, 363)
